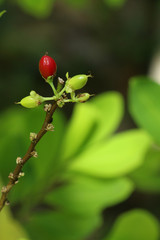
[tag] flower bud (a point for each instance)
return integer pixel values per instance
(29, 102)
(76, 82)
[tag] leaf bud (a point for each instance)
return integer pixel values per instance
(34, 154)
(47, 107)
(4, 189)
(50, 127)
(32, 136)
(19, 160)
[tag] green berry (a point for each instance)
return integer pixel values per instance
(29, 102)
(83, 97)
(76, 82)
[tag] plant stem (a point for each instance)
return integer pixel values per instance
(68, 100)
(49, 98)
(27, 156)
(53, 87)
(62, 91)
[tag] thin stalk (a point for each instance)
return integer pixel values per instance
(68, 100)
(49, 98)
(16, 173)
(53, 87)
(62, 91)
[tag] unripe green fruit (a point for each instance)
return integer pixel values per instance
(29, 102)
(83, 97)
(76, 82)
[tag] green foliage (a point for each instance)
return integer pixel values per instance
(88, 196)
(115, 3)
(16, 126)
(93, 122)
(60, 226)
(144, 105)
(147, 178)
(136, 224)
(115, 157)
(43, 8)
(37, 8)
(79, 172)
(9, 227)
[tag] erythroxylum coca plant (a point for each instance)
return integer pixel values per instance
(63, 93)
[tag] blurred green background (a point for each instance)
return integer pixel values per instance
(94, 179)
(114, 39)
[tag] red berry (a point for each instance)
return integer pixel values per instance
(47, 66)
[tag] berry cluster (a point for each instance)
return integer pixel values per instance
(48, 69)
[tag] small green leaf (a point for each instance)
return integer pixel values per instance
(80, 127)
(111, 110)
(116, 157)
(61, 226)
(136, 224)
(92, 122)
(147, 177)
(37, 8)
(89, 196)
(144, 104)
(2, 12)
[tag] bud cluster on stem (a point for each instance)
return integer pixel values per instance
(64, 93)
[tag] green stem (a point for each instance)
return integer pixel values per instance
(68, 100)
(26, 157)
(62, 91)
(53, 87)
(73, 96)
(49, 98)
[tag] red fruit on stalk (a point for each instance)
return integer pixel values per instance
(47, 66)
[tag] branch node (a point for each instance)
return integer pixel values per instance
(47, 107)
(34, 154)
(60, 102)
(4, 189)
(19, 160)
(50, 127)
(33, 136)
(21, 174)
(11, 175)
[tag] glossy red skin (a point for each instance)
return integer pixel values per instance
(47, 66)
